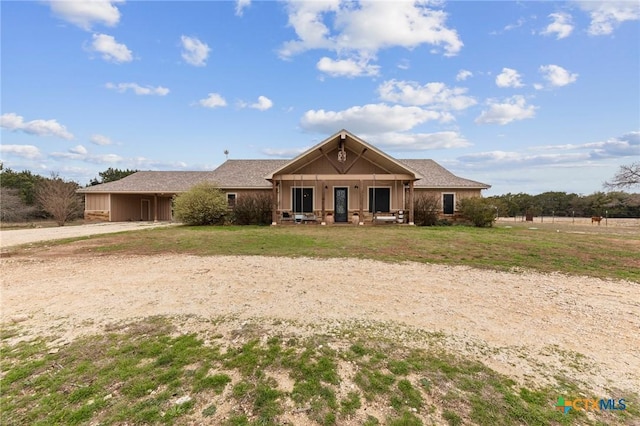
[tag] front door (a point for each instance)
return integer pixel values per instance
(340, 207)
(145, 210)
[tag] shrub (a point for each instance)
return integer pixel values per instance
(478, 211)
(13, 209)
(425, 210)
(253, 209)
(204, 204)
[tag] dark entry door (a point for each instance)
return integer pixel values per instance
(340, 208)
(447, 203)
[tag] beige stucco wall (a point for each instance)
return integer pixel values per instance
(459, 194)
(96, 201)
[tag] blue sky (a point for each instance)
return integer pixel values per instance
(525, 96)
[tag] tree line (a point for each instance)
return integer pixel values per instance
(612, 204)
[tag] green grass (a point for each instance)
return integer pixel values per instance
(135, 374)
(592, 254)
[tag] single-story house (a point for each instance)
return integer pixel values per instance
(341, 179)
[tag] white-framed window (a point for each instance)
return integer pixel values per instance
(231, 199)
(448, 202)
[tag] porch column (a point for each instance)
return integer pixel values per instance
(155, 208)
(324, 196)
(274, 209)
(411, 203)
(361, 195)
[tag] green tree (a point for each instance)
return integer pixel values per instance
(24, 182)
(111, 175)
(204, 204)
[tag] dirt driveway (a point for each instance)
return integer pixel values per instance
(14, 237)
(530, 326)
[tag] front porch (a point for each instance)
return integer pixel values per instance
(329, 199)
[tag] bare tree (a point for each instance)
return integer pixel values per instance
(627, 177)
(12, 208)
(59, 198)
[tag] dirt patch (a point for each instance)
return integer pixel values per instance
(530, 326)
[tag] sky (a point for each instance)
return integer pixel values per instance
(527, 96)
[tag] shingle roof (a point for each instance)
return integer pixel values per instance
(231, 174)
(251, 174)
(246, 173)
(436, 176)
(152, 182)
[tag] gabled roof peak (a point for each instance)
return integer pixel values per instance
(354, 143)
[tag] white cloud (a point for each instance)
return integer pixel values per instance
(100, 140)
(80, 153)
(463, 75)
(213, 100)
(110, 49)
(14, 122)
(24, 151)
(404, 64)
(607, 15)
(562, 25)
(417, 141)
(627, 145)
(371, 118)
(511, 109)
(436, 94)
(263, 103)
(195, 52)
(347, 67)
(137, 89)
(510, 159)
(509, 78)
(358, 30)
(557, 76)
(520, 22)
(241, 5)
(105, 159)
(284, 153)
(79, 149)
(85, 14)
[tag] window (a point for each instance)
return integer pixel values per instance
(302, 200)
(231, 200)
(448, 203)
(379, 200)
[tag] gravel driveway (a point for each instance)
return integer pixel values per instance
(15, 237)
